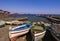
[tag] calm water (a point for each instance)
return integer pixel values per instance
(31, 17)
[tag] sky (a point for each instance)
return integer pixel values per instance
(31, 6)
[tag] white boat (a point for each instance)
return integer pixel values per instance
(2, 23)
(19, 30)
(38, 32)
(47, 24)
(39, 36)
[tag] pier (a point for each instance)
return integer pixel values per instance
(53, 19)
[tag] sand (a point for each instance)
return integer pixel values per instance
(4, 34)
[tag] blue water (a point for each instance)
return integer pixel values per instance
(31, 17)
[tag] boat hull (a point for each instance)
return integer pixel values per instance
(18, 33)
(39, 36)
(19, 30)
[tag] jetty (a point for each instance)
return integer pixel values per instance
(53, 19)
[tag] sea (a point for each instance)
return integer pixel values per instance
(31, 17)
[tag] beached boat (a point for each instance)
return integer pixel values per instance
(2, 23)
(15, 22)
(19, 30)
(47, 24)
(38, 32)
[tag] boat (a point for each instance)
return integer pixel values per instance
(2, 23)
(47, 24)
(15, 31)
(14, 22)
(55, 31)
(38, 31)
(8, 22)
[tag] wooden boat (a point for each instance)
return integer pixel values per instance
(16, 22)
(2, 23)
(47, 24)
(19, 30)
(38, 32)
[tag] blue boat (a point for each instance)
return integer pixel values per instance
(19, 30)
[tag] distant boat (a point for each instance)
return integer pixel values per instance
(19, 30)
(38, 32)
